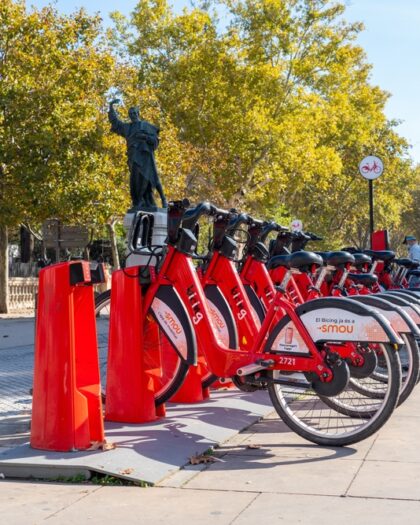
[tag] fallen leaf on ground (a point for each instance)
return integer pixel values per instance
(101, 445)
(202, 458)
(126, 471)
(108, 446)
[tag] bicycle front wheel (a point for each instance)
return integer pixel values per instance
(326, 421)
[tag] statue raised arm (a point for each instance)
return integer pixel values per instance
(117, 126)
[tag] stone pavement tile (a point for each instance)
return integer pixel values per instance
(14, 430)
(16, 332)
(274, 437)
(410, 407)
(397, 442)
(387, 479)
(307, 510)
(134, 505)
(181, 477)
(280, 475)
(31, 503)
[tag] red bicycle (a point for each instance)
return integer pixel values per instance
(175, 299)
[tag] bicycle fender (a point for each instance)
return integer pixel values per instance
(255, 303)
(222, 316)
(400, 321)
(339, 319)
(413, 292)
(409, 307)
(414, 299)
(173, 319)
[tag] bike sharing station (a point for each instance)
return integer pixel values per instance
(335, 348)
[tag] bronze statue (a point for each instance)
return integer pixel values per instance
(142, 140)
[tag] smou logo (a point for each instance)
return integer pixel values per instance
(172, 323)
(336, 329)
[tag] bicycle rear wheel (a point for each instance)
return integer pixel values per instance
(163, 364)
(374, 386)
(325, 421)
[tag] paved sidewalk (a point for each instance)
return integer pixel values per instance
(265, 474)
(16, 375)
(16, 365)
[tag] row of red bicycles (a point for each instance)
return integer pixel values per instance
(332, 336)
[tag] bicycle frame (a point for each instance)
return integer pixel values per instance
(178, 274)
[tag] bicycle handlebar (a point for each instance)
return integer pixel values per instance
(218, 212)
(176, 210)
(314, 236)
(238, 220)
(269, 227)
(192, 215)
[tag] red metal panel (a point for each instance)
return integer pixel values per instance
(379, 240)
(130, 394)
(67, 409)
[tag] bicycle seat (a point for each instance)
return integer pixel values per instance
(407, 263)
(367, 279)
(415, 273)
(337, 258)
(302, 259)
(279, 260)
(415, 265)
(360, 259)
(323, 255)
(380, 255)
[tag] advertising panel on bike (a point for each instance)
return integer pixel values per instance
(330, 324)
(290, 341)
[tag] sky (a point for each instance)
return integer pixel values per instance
(391, 41)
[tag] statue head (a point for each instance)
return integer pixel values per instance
(134, 114)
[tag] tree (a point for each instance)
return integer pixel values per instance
(57, 158)
(278, 108)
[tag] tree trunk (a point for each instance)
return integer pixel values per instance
(26, 245)
(4, 271)
(114, 249)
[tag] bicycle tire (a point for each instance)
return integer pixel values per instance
(168, 386)
(409, 355)
(305, 412)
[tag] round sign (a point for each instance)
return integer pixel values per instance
(296, 225)
(371, 167)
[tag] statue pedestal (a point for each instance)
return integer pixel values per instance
(158, 235)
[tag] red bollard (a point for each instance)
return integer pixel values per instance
(130, 392)
(66, 407)
(192, 390)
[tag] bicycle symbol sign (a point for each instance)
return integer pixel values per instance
(371, 167)
(296, 225)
